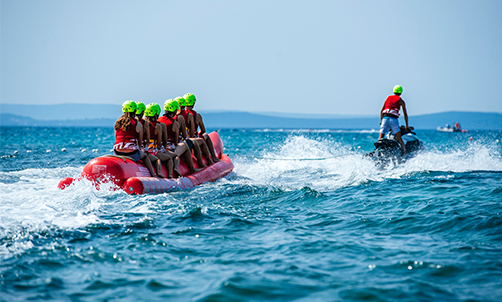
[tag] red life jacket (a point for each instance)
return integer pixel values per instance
(184, 113)
(153, 143)
(127, 139)
(392, 105)
(168, 121)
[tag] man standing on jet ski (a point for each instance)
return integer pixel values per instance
(390, 113)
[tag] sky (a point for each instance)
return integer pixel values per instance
(303, 57)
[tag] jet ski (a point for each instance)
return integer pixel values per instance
(389, 150)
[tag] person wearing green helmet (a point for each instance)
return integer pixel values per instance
(389, 115)
(129, 137)
(154, 139)
(193, 145)
(171, 140)
(198, 123)
(188, 132)
(140, 109)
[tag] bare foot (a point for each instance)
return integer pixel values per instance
(196, 170)
(176, 173)
(160, 175)
(216, 159)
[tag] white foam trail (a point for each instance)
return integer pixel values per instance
(30, 201)
(341, 166)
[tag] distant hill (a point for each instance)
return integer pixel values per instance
(63, 111)
(11, 120)
(220, 120)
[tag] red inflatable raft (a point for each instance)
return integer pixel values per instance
(134, 178)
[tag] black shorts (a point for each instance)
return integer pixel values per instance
(135, 155)
(190, 144)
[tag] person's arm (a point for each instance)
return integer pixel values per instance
(200, 122)
(405, 113)
(158, 129)
(183, 128)
(191, 122)
(139, 129)
(176, 130)
(164, 135)
(147, 133)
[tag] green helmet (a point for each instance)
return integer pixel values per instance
(129, 106)
(398, 89)
(155, 107)
(151, 110)
(171, 105)
(140, 107)
(190, 98)
(159, 109)
(181, 101)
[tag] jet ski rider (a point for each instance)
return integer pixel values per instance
(389, 116)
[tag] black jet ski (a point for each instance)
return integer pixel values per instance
(389, 150)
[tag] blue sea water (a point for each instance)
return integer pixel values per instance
(303, 217)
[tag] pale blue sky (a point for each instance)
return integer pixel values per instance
(327, 57)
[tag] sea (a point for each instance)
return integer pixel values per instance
(304, 216)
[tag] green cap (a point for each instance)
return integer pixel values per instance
(190, 98)
(181, 101)
(140, 107)
(171, 105)
(151, 110)
(398, 89)
(129, 106)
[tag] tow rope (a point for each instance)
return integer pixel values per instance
(294, 159)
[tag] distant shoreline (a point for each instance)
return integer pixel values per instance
(245, 120)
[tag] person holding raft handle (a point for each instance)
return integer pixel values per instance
(389, 116)
(129, 137)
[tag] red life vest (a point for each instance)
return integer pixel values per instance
(392, 105)
(168, 121)
(184, 113)
(127, 139)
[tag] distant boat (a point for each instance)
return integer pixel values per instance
(448, 128)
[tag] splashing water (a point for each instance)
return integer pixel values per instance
(304, 215)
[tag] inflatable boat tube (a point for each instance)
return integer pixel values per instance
(134, 178)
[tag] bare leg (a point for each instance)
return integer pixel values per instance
(148, 163)
(400, 140)
(183, 151)
(210, 146)
(166, 158)
(197, 153)
(204, 149)
(176, 161)
(158, 164)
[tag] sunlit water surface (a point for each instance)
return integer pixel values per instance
(304, 216)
